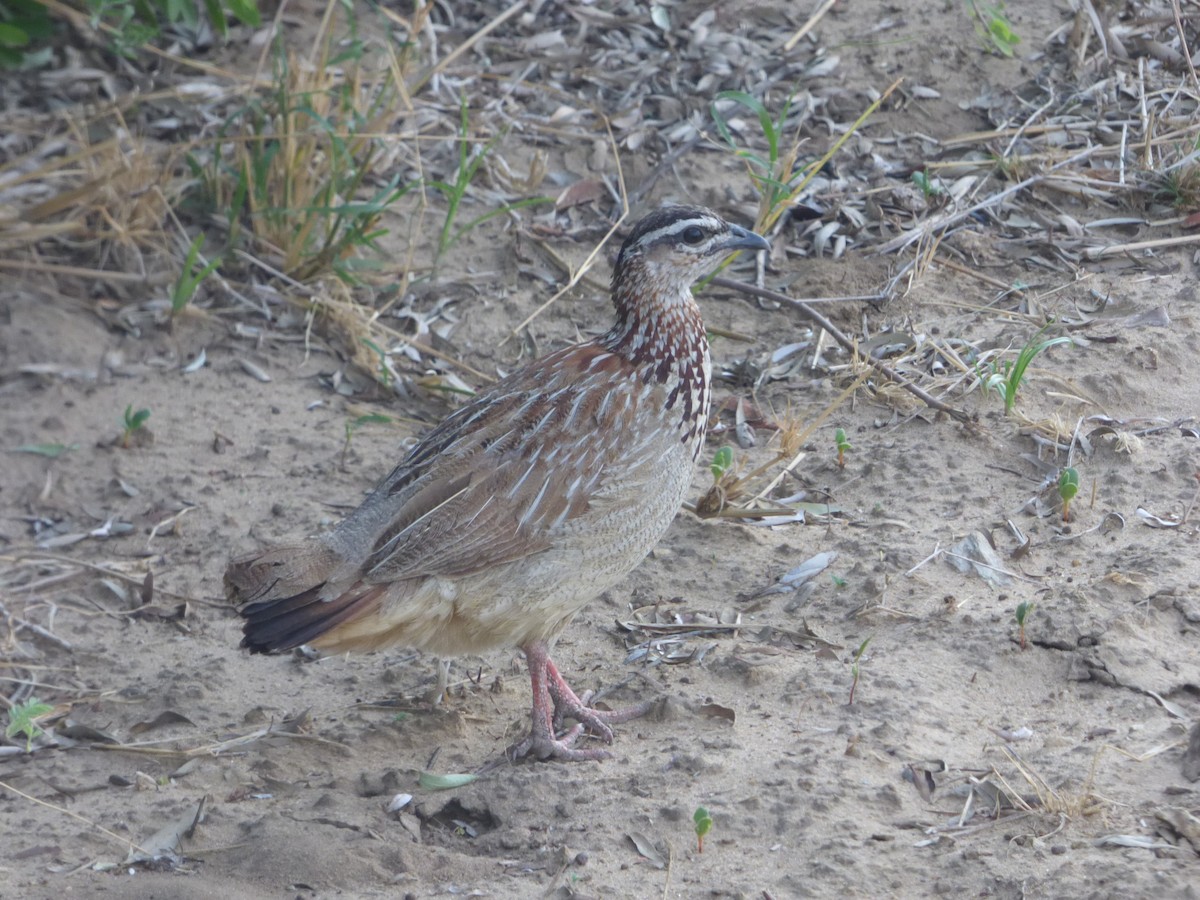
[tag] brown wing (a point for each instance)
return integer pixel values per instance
(496, 480)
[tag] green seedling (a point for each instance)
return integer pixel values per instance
(722, 463)
(1007, 378)
(704, 824)
(1179, 185)
(469, 162)
(855, 669)
(22, 719)
(1068, 487)
(838, 580)
(352, 425)
(384, 370)
(1022, 616)
(134, 422)
(776, 176)
(780, 177)
(189, 279)
(929, 188)
(993, 26)
(843, 445)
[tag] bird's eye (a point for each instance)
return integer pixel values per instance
(693, 234)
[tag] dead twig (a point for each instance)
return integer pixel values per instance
(836, 333)
(125, 842)
(812, 23)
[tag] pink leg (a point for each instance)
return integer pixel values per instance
(553, 701)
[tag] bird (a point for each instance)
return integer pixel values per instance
(523, 505)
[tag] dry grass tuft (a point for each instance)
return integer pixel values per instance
(1063, 803)
(297, 165)
(74, 201)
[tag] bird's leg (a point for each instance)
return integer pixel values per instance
(436, 695)
(553, 701)
(542, 741)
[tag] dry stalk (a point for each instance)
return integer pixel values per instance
(123, 841)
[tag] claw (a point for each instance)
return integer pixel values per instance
(553, 702)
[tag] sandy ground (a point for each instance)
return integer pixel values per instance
(965, 765)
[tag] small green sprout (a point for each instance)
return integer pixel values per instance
(385, 372)
(1006, 379)
(993, 26)
(704, 824)
(838, 580)
(1022, 616)
(469, 163)
(843, 444)
(1068, 487)
(777, 175)
(22, 719)
(722, 463)
(188, 280)
(929, 187)
(854, 669)
(134, 422)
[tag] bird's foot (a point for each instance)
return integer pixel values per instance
(554, 702)
(546, 745)
(597, 721)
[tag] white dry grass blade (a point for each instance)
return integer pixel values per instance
(430, 781)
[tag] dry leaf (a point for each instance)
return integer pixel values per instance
(646, 848)
(716, 711)
(166, 717)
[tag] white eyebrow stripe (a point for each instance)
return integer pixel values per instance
(669, 231)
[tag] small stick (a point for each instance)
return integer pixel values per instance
(467, 45)
(1187, 512)
(591, 257)
(820, 14)
(81, 272)
(38, 555)
(1187, 54)
(979, 276)
(35, 628)
(575, 278)
(1114, 249)
(937, 551)
(834, 332)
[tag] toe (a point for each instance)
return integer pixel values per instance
(563, 748)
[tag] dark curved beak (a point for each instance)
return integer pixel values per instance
(743, 239)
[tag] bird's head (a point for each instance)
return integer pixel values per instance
(671, 248)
